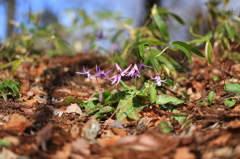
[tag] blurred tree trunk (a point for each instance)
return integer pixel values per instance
(148, 5)
(10, 16)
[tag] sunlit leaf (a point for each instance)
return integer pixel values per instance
(208, 51)
(153, 94)
(164, 99)
(180, 118)
(230, 31)
(160, 23)
(4, 143)
(165, 128)
(229, 102)
(187, 53)
(232, 87)
(211, 97)
(69, 100)
(15, 66)
(188, 47)
(7, 64)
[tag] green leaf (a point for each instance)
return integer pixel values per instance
(234, 88)
(127, 87)
(231, 32)
(187, 97)
(183, 49)
(126, 106)
(165, 127)
(4, 92)
(91, 106)
(105, 95)
(211, 97)
(114, 98)
(229, 102)
(188, 47)
(208, 51)
(180, 118)
(215, 78)
(4, 143)
(194, 34)
(81, 102)
(175, 16)
(15, 66)
(169, 82)
(160, 23)
(134, 114)
(164, 99)
(153, 94)
(13, 86)
(8, 64)
(69, 100)
(202, 103)
(106, 109)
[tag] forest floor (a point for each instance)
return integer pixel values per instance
(41, 125)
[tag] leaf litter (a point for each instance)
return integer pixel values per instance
(42, 125)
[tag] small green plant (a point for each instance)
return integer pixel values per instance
(129, 101)
(31, 41)
(229, 102)
(151, 42)
(223, 30)
(9, 87)
(207, 102)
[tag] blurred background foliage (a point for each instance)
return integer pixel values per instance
(114, 35)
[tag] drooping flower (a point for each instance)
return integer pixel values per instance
(101, 74)
(100, 35)
(143, 67)
(86, 73)
(116, 79)
(134, 72)
(158, 80)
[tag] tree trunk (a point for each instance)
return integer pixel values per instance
(10, 16)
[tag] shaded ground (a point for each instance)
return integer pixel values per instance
(43, 125)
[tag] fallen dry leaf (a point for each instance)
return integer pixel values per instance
(64, 153)
(148, 141)
(75, 130)
(81, 145)
(74, 108)
(44, 135)
(126, 140)
(109, 142)
(8, 154)
(117, 131)
(12, 139)
(222, 140)
(91, 128)
(184, 153)
(17, 123)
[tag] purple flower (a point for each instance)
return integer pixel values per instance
(85, 73)
(101, 74)
(116, 79)
(143, 67)
(100, 35)
(134, 72)
(158, 80)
